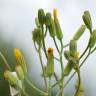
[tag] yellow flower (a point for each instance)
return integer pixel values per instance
(55, 13)
(17, 53)
(20, 59)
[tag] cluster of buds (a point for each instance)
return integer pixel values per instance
(52, 24)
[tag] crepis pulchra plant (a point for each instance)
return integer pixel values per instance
(46, 23)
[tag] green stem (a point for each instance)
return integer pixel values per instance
(22, 91)
(84, 51)
(56, 59)
(42, 68)
(79, 80)
(93, 50)
(49, 87)
(35, 88)
(62, 68)
(5, 61)
(65, 45)
(44, 43)
(56, 44)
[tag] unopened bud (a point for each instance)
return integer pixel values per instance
(48, 19)
(50, 62)
(41, 16)
(73, 47)
(68, 69)
(10, 77)
(59, 33)
(19, 72)
(20, 59)
(51, 28)
(87, 20)
(80, 32)
(37, 36)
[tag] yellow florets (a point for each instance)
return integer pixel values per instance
(17, 53)
(55, 13)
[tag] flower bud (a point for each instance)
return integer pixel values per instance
(92, 39)
(50, 62)
(20, 59)
(59, 33)
(67, 69)
(37, 36)
(87, 20)
(79, 32)
(48, 19)
(41, 16)
(73, 47)
(10, 77)
(19, 72)
(51, 28)
(67, 55)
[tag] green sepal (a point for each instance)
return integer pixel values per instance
(68, 69)
(50, 66)
(92, 39)
(67, 54)
(79, 32)
(41, 16)
(87, 20)
(37, 36)
(52, 30)
(59, 33)
(19, 72)
(73, 47)
(48, 19)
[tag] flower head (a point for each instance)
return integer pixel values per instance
(17, 53)
(50, 52)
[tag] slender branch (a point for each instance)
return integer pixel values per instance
(35, 88)
(65, 45)
(5, 61)
(42, 68)
(79, 80)
(56, 59)
(56, 44)
(44, 42)
(93, 50)
(84, 51)
(62, 68)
